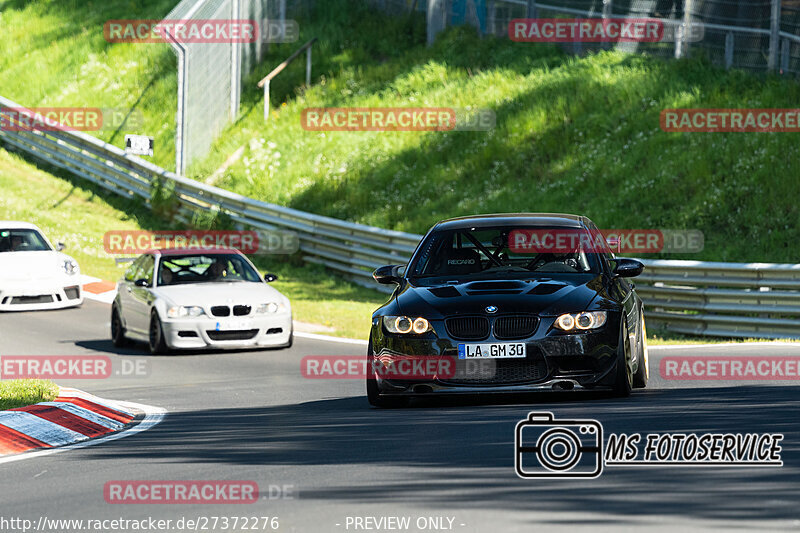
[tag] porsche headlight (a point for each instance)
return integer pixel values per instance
(271, 307)
(183, 311)
(405, 325)
(581, 321)
(70, 267)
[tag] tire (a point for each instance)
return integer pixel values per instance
(373, 394)
(624, 377)
(117, 330)
(643, 372)
(156, 341)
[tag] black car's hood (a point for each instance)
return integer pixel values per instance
(541, 296)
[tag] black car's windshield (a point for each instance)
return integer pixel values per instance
(205, 268)
(485, 252)
(22, 240)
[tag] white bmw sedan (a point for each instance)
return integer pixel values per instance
(33, 274)
(197, 299)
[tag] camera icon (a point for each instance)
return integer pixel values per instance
(550, 448)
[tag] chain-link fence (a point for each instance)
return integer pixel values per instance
(749, 34)
(210, 74)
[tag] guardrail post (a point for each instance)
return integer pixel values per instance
(774, 36)
(308, 67)
(531, 11)
(685, 29)
(729, 49)
(266, 101)
(785, 55)
(608, 7)
(436, 19)
(490, 17)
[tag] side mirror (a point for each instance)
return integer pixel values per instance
(60, 246)
(628, 268)
(141, 283)
(269, 278)
(388, 274)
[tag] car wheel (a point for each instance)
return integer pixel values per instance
(156, 342)
(624, 380)
(643, 372)
(373, 394)
(117, 329)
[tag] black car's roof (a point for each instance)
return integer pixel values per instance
(557, 220)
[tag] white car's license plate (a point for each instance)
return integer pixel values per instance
(229, 325)
(494, 350)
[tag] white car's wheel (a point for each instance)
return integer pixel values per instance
(156, 341)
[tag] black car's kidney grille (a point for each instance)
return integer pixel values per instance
(515, 327)
(467, 327)
(221, 310)
(487, 372)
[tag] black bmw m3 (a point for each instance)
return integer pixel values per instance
(499, 315)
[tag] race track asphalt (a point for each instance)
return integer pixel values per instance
(252, 416)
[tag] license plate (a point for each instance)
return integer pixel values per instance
(229, 325)
(494, 351)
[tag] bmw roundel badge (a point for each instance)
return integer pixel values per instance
(491, 309)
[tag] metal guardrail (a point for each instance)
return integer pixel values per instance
(701, 298)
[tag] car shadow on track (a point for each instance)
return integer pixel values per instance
(451, 452)
(140, 348)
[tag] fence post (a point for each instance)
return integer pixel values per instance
(308, 67)
(531, 11)
(774, 36)
(729, 49)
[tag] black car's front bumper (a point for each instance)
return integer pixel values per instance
(555, 360)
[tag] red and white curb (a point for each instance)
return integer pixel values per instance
(98, 289)
(75, 419)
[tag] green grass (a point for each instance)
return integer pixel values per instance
(573, 135)
(53, 53)
(22, 392)
(75, 213)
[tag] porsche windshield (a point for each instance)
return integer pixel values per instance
(485, 252)
(22, 240)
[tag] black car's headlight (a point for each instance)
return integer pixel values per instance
(406, 325)
(581, 321)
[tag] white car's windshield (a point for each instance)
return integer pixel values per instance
(22, 240)
(204, 268)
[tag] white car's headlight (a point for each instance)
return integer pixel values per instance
(184, 311)
(405, 325)
(271, 307)
(70, 267)
(581, 321)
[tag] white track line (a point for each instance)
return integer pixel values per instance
(318, 337)
(153, 416)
